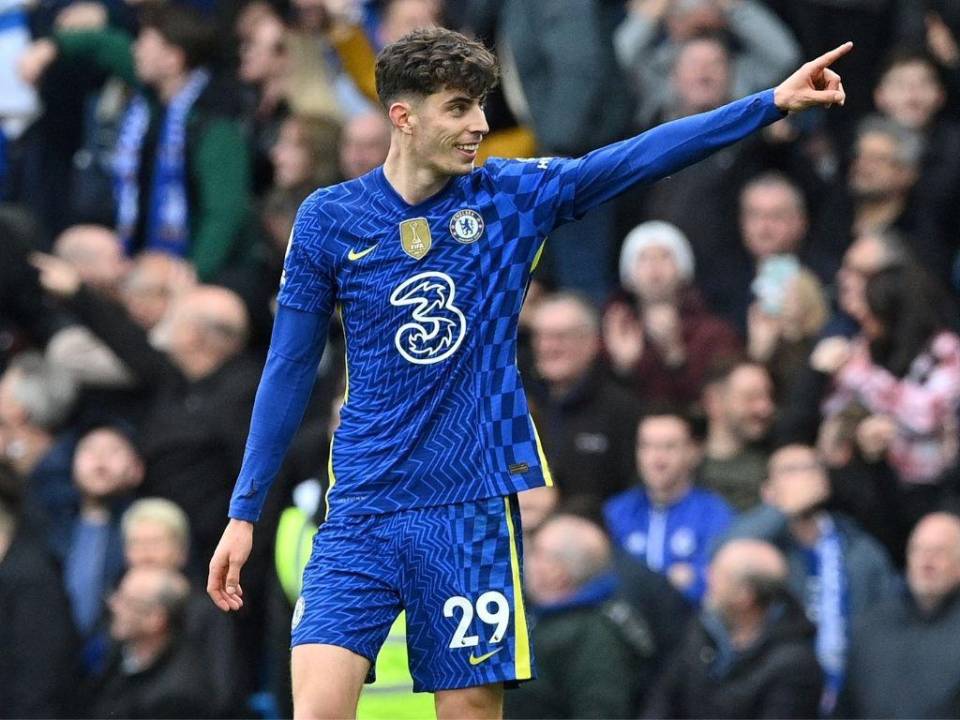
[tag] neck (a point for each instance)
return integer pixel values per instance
(722, 443)
(670, 494)
(805, 530)
(94, 510)
(877, 213)
(748, 628)
(168, 88)
(413, 182)
(146, 650)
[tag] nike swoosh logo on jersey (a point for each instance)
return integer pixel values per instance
(354, 255)
(484, 657)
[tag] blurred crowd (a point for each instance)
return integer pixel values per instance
(746, 377)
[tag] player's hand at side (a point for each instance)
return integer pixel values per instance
(814, 84)
(223, 582)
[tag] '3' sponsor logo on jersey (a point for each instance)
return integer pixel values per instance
(436, 326)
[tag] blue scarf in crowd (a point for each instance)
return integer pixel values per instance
(829, 604)
(167, 227)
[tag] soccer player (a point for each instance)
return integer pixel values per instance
(428, 259)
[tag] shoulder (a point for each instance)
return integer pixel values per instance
(709, 502)
(624, 502)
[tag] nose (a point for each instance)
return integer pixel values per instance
(478, 121)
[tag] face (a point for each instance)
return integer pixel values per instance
(402, 17)
(105, 464)
(155, 58)
(96, 254)
(564, 342)
(911, 94)
(364, 145)
(150, 543)
(291, 156)
(748, 402)
(795, 469)
(656, 274)
(535, 506)
(771, 220)
(446, 129)
(146, 294)
(933, 557)
(543, 569)
(862, 259)
(666, 454)
(701, 76)
(13, 417)
(262, 54)
(133, 607)
(876, 173)
(723, 585)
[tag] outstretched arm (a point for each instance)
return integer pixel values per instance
(603, 174)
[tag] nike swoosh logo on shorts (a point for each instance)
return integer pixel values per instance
(484, 657)
(354, 255)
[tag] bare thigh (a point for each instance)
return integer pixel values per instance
(484, 702)
(327, 680)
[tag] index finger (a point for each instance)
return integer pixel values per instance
(829, 58)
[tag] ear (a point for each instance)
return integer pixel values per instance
(402, 116)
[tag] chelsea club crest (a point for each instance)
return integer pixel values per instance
(466, 226)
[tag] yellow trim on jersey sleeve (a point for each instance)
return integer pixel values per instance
(544, 465)
(521, 636)
(536, 258)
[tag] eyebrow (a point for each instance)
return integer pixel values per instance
(459, 99)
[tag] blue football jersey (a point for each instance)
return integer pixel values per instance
(430, 296)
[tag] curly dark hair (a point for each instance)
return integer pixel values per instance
(430, 60)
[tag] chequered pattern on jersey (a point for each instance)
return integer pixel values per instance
(366, 569)
(416, 435)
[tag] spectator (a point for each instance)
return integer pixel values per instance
(750, 653)
(36, 400)
(587, 422)
(156, 534)
(37, 663)
(782, 337)
(363, 144)
(264, 66)
(801, 412)
(663, 339)
(882, 193)
(767, 49)
(739, 406)
(905, 652)
(305, 154)
(200, 389)
(835, 568)
(182, 184)
(97, 254)
(151, 673)
(666, 521)
(155, 281)
(107, 470)
(911, 92)
(904, 367)
(583, 631)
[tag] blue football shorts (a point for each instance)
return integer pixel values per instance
(455, 569)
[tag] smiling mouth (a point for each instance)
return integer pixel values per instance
(469, 149)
